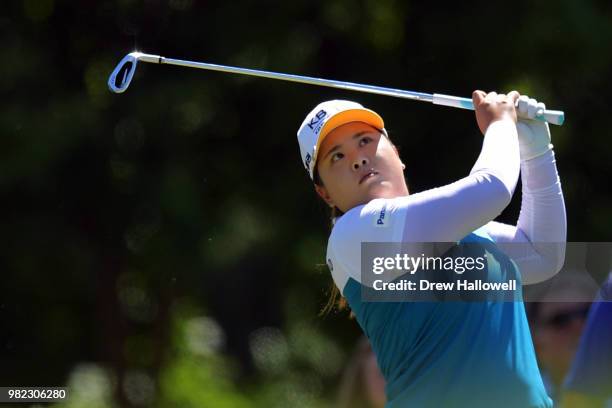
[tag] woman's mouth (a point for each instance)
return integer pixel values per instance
(366, 176)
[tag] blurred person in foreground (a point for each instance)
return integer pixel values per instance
(557, 320)
(362, 384)
(589, 382)
(443, 354)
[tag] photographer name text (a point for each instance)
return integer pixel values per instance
(460, 285)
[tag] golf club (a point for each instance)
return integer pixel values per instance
(121, 77)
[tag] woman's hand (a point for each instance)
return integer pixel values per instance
(492, 107)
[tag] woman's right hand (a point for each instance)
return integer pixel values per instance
(492, 107)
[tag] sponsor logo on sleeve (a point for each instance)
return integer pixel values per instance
(382, 219)
(330, 264)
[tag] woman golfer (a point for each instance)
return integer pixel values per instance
(443, 354)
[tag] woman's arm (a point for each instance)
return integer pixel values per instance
(449, 213)
(537, 242)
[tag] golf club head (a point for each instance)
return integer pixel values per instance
(120, 78)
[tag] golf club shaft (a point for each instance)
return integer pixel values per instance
(554, 117)
(350, 86)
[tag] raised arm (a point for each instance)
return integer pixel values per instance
(449, 213)
(537, 242)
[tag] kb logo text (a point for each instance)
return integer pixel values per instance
(317, 118)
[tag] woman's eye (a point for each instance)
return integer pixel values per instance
(365, 141)
(336, 157)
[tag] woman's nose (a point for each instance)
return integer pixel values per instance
(360, 162)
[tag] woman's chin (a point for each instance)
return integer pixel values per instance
(381, 189)
(374, 190)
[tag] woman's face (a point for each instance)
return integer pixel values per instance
(357, 164)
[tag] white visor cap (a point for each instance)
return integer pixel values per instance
(326, 117)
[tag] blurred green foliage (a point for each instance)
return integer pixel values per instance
(164, 247)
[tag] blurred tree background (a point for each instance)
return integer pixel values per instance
(165, 247)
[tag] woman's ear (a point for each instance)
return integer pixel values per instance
(324, 194)
(397, 152)
(395, 149)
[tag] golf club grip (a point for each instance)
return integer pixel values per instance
(553, 117)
